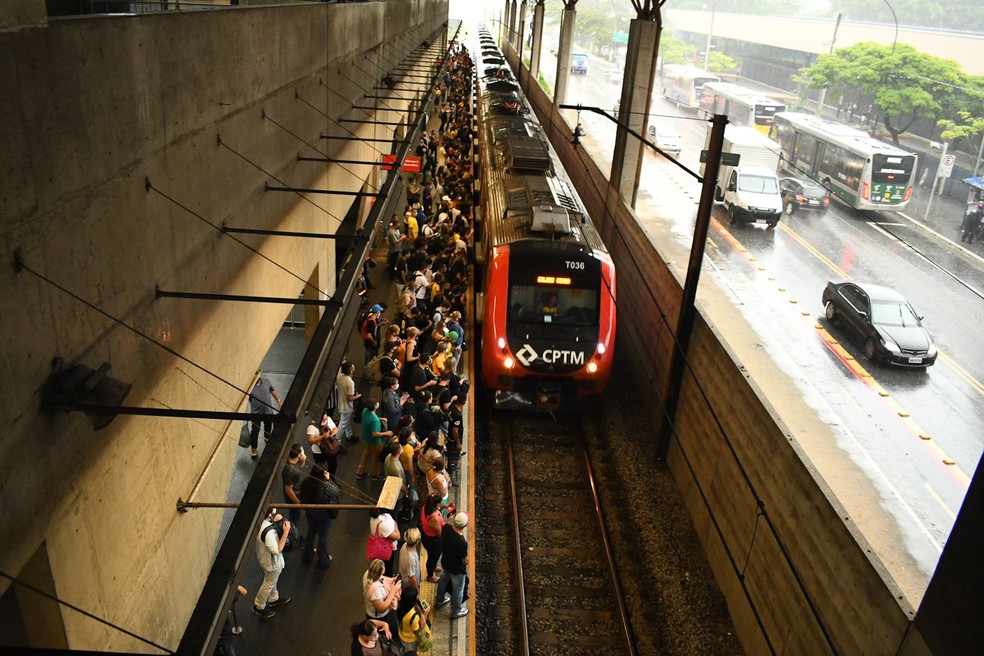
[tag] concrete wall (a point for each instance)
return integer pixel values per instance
(91, 107)
(797, 574)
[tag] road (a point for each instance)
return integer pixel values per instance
(918, 434)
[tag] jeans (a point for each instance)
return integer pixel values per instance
(268, 590)
(345, 425)
(371, 352)
(457, 585)
(254, 433)
(317, 530)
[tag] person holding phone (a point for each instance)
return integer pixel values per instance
(413, 617)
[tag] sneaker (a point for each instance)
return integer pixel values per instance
(281, 601)
(444, 602)
(253, 454)
(461, 612)
(362, 476)
(265, 613)
(379, 478)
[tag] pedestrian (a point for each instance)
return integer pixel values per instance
(395, 240)
(318, 488)
(413, 616)
(971, 225)
(369, 331)
(261, 402)
(410, 560)
(346, 402)
(381, 523)
(392, 403)
(451, 587)
(382, 595)
(373, 436)
(431, 526)
(270, 542)
(365, 638)
(291, 477)
(393, 467)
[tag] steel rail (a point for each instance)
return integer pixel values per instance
(600, 516)
(520, 580)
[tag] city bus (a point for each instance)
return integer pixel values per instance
(743, 106)
(863, 172)
(683, 83)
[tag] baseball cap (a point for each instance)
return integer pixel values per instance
(376, 308)
(452, 335)
(461, 520)
(313, 430)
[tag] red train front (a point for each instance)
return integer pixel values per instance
(549, 324)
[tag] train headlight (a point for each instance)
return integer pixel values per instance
(501, 343)
(601, 348)
(509, 363)
(592, 367)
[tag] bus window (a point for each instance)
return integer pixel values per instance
(887, 169)
(849, 167)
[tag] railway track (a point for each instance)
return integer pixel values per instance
(546, 581)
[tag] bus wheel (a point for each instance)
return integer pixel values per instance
(826, 184)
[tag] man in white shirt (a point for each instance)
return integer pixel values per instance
(269, 552)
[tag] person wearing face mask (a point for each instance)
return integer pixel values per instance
(392, 404)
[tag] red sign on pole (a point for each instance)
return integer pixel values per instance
(410, 164)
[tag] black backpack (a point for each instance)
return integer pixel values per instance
(293, 537)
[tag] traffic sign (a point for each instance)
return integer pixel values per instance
(946, 166)
(620, 37)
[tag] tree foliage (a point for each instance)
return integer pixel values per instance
(906, 84)
(673, 50)
(718, 62)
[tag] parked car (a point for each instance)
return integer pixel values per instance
(614, 75)
(886, 324)
(803, 194)
(666, 139)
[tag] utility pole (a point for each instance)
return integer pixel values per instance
(941, 171)
(833, 40)
(710, 32)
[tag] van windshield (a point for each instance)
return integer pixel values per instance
(758, 184)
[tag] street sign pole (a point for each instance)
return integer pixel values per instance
(936, 178)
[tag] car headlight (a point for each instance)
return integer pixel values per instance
(891, 346)
(931, 351)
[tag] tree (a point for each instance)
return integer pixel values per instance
(906, 83)
(718, 62)
(673, 50)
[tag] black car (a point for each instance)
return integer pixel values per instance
(887, 325)
(798, 194)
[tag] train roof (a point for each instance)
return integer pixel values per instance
(534, 199)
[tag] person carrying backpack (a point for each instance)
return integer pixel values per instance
(271, 540)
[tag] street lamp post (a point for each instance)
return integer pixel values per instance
(710, 32)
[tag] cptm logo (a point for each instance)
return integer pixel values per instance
(527, 356)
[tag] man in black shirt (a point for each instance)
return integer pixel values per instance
(455, 560)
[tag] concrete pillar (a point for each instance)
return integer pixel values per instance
(637, 85)
(567, 21)
(949, 617)
(521, 31)
(504, 25)
(537, 41)
(511, 25)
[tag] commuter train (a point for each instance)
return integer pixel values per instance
(547, 302)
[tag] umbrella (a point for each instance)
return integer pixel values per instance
(975, 182)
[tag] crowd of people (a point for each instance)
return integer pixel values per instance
(405, 406)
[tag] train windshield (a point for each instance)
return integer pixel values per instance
(553, 304)
(549, 288)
